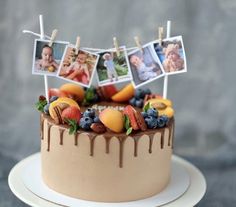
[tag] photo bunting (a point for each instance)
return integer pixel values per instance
(46, 59)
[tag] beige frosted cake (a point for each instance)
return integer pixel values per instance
(106, 145)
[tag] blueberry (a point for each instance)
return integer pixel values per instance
(152, 112)
(95, 98)
(89, 113)
(139, 103)
(144, 114)
(96, 119)
(53, 98)
(151, 122)
(46, 109)
(166, 119)
(147, 91)
(161, 122)
(139, 93)
(85, 123)
(132, 101)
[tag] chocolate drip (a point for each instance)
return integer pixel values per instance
(107, 139)
(170, 133)
(136, 145)
(41, 127)
(49, 134)
(151, 137)
(173, 134)
(76, 138)
(92, 139)
(162, 138)
(61, 136)
(121, 141)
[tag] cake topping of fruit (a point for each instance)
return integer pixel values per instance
(143, 111)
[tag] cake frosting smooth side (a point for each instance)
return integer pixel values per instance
(107, 167)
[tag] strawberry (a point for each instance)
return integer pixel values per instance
(72, 113)
(110, 90)
(129, 111)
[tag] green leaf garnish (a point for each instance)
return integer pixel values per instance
(127, 122)
(129, 131)
(146, 107)
(89, 96)
(73, 126)
(40, 105)
(128, 128)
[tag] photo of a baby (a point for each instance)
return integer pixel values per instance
(145, 66)
(46, 59)
(172, 55)
(78, 68)
(112, 68)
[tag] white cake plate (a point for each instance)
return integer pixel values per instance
(186, 188)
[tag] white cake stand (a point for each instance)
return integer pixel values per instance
(191, 197)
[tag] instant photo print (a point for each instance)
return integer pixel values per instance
(145, 65)
(172, 55)
(78, 68)
(46, 59)
(111, 68)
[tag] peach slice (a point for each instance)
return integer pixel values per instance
(62, 103)
(167, 102)
(112, 119)
(124, 94)
(74, 91)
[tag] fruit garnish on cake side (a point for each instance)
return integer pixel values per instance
(106, 108)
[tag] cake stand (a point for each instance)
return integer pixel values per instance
(189, 198)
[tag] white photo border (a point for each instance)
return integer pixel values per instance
(178, 38)
(94, 68)
(156, 58)
(129, 74)
(34, 57)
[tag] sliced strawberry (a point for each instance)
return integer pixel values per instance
(129, 111)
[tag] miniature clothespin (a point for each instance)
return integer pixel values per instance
(77, 45)
(160, 35)
(116, 46)
(53, 36)
(137, 42)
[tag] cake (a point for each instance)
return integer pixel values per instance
(123, 154)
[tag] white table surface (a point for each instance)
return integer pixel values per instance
(190, 198)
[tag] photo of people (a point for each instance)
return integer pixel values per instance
(78, 68)
(172, 55)
(145, 65)
(46, 59)
(112, 68)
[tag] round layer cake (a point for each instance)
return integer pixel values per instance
(107, 167)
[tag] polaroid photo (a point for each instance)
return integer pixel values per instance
(112, 69)
(145, 65)
(171, 54)
(46, 59)
(78, 68)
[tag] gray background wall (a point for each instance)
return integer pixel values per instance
(204, 98)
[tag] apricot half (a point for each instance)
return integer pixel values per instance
(112, 119)
(124, 94)
(73, 90)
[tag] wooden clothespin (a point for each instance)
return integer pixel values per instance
(137, 42)
(160, 35)
(77, 45)
(53, 36)
(116, 46)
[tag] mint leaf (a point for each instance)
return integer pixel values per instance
(40, 105)
(127, 122)
(128, 132)
(73, 126)
(146, 107)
